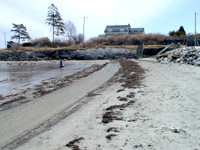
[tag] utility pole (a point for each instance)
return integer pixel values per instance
(195, 31)
(84, 28)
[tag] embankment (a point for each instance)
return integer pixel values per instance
(90, 54)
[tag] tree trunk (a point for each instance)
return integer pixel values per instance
(53, 28)
(53, 34)
(19, 39)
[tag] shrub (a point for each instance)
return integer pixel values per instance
(42, 42)
(27, 44)
(62, 43)
(79, 39)
(15, 46)
(148, 39)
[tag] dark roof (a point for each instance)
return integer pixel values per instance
(137, 30)
(122, 30)
(118, 26)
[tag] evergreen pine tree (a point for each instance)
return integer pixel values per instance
(20, 32)
(182, 30)
(54, 19)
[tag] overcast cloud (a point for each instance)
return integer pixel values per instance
(156, 16)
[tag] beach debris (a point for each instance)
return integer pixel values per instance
(129, 79)
(186, 55)
(124, 105)
(113, 129)
(110, 116)
(149, 145)
(131, 95)
(122, 98)
(109, 136)
(132, 120)
(138, 146)
(13, 100)
(120, 90)
(178, 130)
(72, 144)
(166, 48)
(93, 94)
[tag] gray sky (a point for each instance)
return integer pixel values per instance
(156, 16)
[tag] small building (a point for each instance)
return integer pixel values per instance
(117, 30)
(122, 30)
(137, 31)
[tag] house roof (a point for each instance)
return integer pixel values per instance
(137, 30)
(122, 30)
(117, 26)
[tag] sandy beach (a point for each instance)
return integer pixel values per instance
(144, 105)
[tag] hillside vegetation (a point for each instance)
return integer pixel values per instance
(130, 42)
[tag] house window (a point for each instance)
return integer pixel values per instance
(115, 30)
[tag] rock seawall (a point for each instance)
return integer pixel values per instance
(187, 55)
(90, 54)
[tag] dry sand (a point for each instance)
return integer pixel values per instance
(159, 112)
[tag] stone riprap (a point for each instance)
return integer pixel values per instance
(187, 55)
(90, 54)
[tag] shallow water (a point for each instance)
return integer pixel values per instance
(16, 76)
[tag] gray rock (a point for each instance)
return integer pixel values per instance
(188, 55)
(90, 54)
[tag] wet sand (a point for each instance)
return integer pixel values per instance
(25, 80)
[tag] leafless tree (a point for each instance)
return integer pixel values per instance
(70, 31)
(79, 39)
